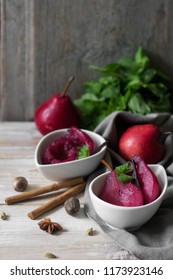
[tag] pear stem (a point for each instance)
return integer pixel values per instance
(67, 86)
(106, 164)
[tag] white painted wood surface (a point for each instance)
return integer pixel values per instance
(21, 237)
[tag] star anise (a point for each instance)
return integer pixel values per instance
(49, 226)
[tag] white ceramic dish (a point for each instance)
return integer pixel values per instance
(129, 218)
(71, 169)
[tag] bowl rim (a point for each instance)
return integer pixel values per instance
(132, 208)
(48, 135)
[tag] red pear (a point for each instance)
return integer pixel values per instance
(67, 147)
(117, 193)
(142, 187)
(58, 112)
(142, 140)
(147, 180)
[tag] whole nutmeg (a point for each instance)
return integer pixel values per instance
(72, 205)
(20, 184)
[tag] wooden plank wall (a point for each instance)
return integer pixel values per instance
(43, 42)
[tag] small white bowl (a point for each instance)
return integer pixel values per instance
(71, 169)
(121, 217)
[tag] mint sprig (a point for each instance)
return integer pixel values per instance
(83, 152)
(123, 173)
(129, 84)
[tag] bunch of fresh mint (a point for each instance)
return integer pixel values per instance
(130, 84)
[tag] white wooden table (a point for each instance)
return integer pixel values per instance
(21, 237)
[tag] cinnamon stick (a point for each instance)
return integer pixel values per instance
(56, 201)
(43, 190)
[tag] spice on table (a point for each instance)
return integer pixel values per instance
(3, 216)
(90, 231)
(20, 184)
(72, 205)
(61, 198)
(50, 256)
(42, 190)
(49, 226)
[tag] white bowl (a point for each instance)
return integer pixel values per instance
(71, 169)
(129, 218)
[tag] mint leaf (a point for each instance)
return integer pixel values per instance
(125, 178)
(123, 173)
(83, 152)
(124, 168)
(141, 58)
(138, 105)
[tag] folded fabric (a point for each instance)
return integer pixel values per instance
(154, 240)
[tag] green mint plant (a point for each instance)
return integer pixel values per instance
(130, 84)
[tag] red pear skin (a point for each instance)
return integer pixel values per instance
(58, 112)
(147, 180)
(144, 141)
(117, 193)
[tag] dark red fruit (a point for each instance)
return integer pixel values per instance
(117, 193)
(147, 180)
(66, 148)
(144, 141)
(142, 187)
(58, 112)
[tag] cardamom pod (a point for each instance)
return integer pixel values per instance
(90, 231)
(3, 216)
(50, 256)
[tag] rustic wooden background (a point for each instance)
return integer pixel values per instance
(43, 42)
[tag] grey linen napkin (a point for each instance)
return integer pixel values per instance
(154, 240)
